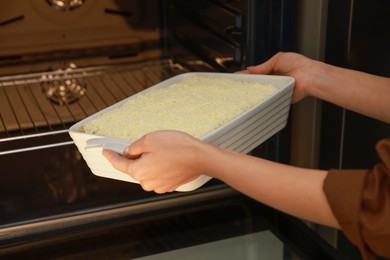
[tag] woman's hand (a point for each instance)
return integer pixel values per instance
(294, 65)
(360, 92)
(166, 160)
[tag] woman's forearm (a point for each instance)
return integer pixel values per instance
(294, 190)
(357, 91)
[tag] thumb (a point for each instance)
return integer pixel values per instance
(136, 149)
(267, 67)
(264, 68)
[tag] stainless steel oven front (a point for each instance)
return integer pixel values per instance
(63, 60)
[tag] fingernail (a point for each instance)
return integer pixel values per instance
(126, 151)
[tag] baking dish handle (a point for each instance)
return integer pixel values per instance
(116, 145)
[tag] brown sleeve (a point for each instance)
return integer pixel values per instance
(360, 201)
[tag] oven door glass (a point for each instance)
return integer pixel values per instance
(214, 223)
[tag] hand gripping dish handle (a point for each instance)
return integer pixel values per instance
(119, 146)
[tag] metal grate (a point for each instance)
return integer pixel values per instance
(26, 111)
(25, 107)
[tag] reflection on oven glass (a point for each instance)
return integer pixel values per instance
(66, 184)
(47, 182)
(65, 5)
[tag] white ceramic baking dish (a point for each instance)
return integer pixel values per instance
(241, 134)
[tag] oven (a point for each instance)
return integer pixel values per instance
(63, 60)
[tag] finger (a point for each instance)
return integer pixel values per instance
(149, 186)
(264, 68)
(136, 149)
(157, 186)
(162, 189)
(118, 162)
(145, 188)
(267, 67)
(173, 188)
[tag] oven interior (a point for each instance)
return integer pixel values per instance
(63, 60)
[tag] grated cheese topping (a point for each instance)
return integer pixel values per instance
(195, 105)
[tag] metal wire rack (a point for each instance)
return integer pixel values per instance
(37, 109)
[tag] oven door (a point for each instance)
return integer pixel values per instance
(54, 211)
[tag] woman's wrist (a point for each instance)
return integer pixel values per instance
(319, 77)
(208, 159)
